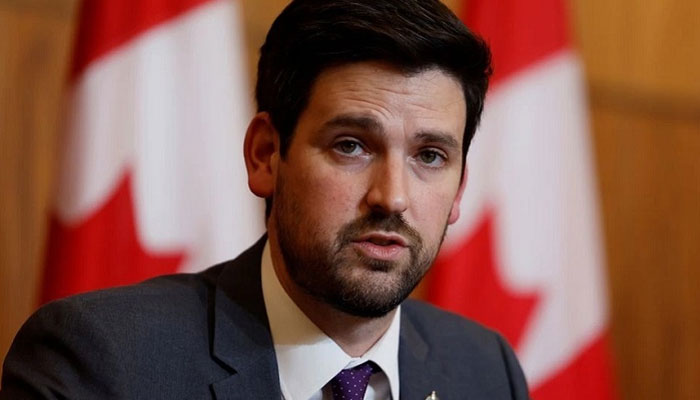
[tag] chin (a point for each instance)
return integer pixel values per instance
(371, 294)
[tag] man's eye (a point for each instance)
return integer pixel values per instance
(348, 147)
(431, 158)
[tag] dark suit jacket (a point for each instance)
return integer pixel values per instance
(205, 335)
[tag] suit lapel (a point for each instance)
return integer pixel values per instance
(419, 374)
(241, 335)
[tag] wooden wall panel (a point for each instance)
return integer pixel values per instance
(640, 58)
(34, 48)
(646, 45)
(650, 180)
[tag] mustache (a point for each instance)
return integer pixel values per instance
(379, 222)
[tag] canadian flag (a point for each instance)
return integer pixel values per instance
(152, 177)
(526, 256)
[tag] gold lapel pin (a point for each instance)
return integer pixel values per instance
(432, 396)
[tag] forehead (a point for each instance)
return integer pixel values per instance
(429, 99)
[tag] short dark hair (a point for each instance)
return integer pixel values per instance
(411, 35)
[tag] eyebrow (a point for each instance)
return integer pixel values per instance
(438, 137)
(363, 122)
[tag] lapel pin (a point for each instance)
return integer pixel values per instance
(432, 396)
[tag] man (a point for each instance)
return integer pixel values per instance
(366, 112)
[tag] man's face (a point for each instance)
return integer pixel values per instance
(368, 185)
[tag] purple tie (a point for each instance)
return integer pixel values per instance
(351, 383)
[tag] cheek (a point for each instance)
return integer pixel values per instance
(329, 200)
(431, 209)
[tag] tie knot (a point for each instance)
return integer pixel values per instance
(351, 383)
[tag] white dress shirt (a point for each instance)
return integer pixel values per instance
(307, 359)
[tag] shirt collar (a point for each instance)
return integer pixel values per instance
(307, 358)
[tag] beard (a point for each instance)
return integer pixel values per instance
(335, 273)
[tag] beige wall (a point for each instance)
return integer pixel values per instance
(641, 58)
(34, 43)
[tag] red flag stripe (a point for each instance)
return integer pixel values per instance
(102, 251)
(108, 24)
(519, 33)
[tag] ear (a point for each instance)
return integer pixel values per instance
(454, 212)
(261, 152)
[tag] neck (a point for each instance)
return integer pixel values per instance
(355, 335)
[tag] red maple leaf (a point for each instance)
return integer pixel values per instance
(101, 251)
(467, 282)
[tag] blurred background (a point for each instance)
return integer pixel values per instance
(641, 59)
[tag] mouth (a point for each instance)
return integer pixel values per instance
(383, 239)
(381, 245)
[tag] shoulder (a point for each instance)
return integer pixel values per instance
(152, 307)
(439, 325)
(472, 354)
(178, 297)
(90, 344)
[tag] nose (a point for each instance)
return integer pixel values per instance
(388, 191)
